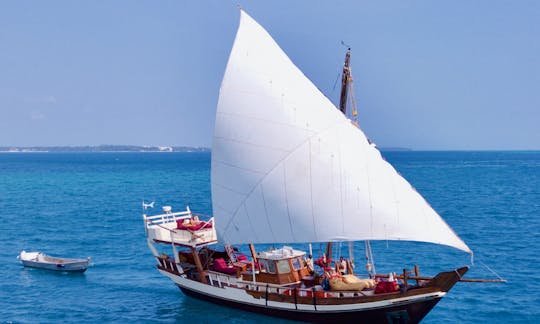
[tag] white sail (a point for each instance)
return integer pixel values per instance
(287, 166)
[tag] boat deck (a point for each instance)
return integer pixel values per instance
(181, 228)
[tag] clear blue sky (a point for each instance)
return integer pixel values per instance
(428, 74)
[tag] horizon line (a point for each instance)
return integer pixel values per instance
(206, 148)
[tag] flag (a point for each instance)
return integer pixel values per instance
(144, 205)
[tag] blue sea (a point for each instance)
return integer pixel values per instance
(89, 204)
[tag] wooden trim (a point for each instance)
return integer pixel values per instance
(360, 299)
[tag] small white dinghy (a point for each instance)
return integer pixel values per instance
(43, 261)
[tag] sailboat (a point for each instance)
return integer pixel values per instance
(289, 168)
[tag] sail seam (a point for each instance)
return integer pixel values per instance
(341, 186)
(238, 167)
(265, 212)
(287, 201)
(259, 183)
(369, 192)
(249, 143)
(311, 192)
(229, 189)
(295, 126)
(249, 219)
(218, 206)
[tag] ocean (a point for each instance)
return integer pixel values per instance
(89, 204)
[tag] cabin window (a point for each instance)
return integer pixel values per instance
(271, 266)
(283, 266)
(263, 265)
(297, 263)
(267, 266)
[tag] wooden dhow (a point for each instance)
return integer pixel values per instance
(289, 168)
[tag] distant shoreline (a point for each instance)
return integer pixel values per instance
(126, 148)
(100, 148)
(194, 149)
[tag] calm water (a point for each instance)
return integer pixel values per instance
(89, 204)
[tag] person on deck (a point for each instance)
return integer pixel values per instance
(342, 266)
(309, 264)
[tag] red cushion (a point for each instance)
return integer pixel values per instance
(241, 257)
(386, 287)
(221, 266)
(180, 225)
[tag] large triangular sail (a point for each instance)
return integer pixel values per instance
(287, 166)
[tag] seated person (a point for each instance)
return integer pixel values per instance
(192, 224)
(342, 266)
(309, 264)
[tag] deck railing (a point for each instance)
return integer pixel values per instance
(163, 228)
(167, 218)
(220, 280)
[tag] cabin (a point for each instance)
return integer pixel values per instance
(281, 266)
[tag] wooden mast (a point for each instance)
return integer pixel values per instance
(345, 79)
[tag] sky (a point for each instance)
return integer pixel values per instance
(428, 75)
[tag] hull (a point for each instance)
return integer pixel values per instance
(43, 261)
(409, 313)
(69, 267)
(405, 307)
(283, 288)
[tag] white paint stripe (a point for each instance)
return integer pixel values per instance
(240, 296)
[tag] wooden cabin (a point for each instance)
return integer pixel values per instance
(279, 267)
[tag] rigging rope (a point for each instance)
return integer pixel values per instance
(335, 82)
(492, 271)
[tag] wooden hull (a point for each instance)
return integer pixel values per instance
(402, 307)
(410, 313)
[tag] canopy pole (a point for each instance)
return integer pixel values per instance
(199, 265)
(350, 262)
(253, 273)
(328, 251)
(253, 253)
(370, 264)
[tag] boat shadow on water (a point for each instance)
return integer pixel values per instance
(45, 272)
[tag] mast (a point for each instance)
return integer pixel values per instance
(346, 91)
(345, 81)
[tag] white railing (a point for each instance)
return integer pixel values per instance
(167, 218)
(164, 228)
(220, 279)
